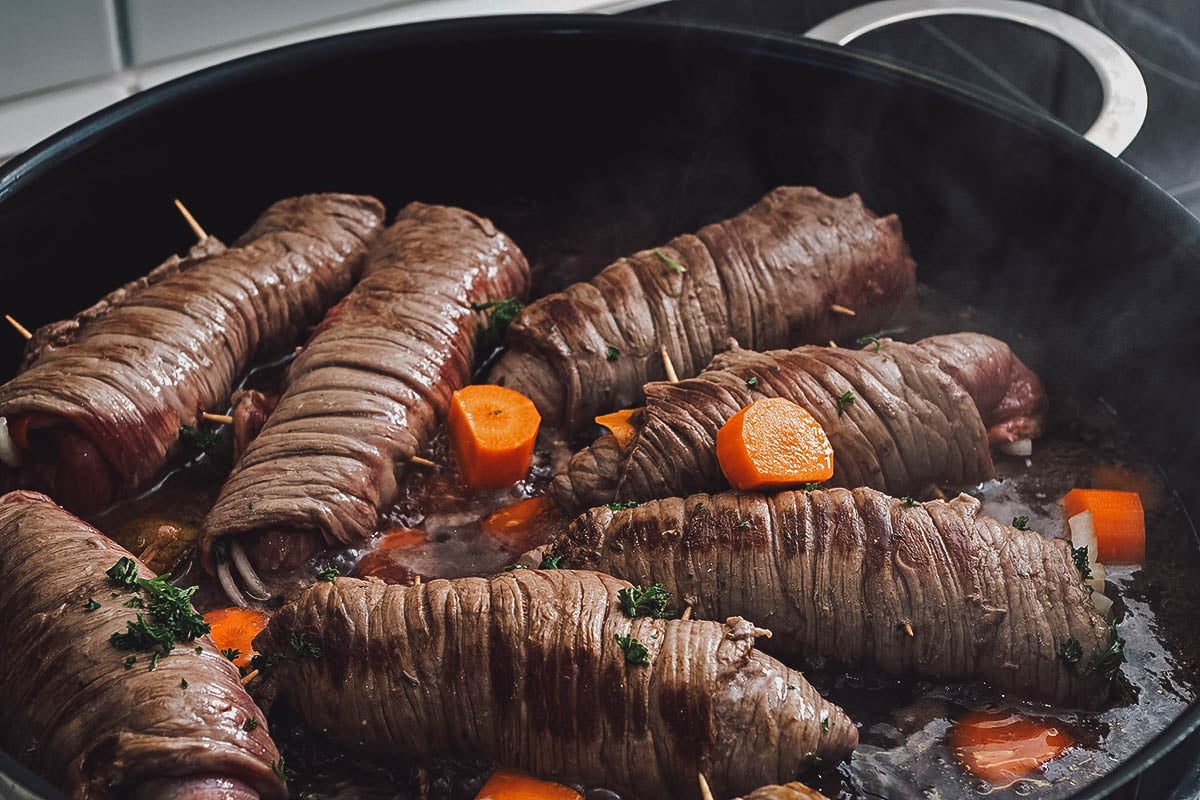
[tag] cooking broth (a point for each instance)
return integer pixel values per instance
(904, 752)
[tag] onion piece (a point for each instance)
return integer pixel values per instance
(1102, 602)
(1021, 447)
(1083, 534)
(10, 454)
(1098, 576)
(225, 578)
(254, 585)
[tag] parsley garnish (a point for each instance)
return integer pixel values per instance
(811, 487)
(1071, 651)
(512, 567)
(745, 523)
(124, 573)
(91, 605)
(304, 648)
(552, 562)
(825, 724)
(129, 662)
(622, 506)
(670, 262)
(231, 653)
(812, 758)
(1021, 523)
(250, 724)
(171, 617)
(265, 662)
(1080, 556)
(611, 353)
(500, 314)
(277, 768)
(204, 441)
(752, 381)
(328, 574)
(135, 602)
(844, 401)
(635, 652)
(865, 340)
(183, 684)
(1108, 661)
(908, 501)
(648, 601)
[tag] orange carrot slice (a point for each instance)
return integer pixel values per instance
(518, 517)
(397, 538)
(492, 433)
(619, 425)
(235, 629)
(773, 444)
(507, 784)
(1119, 520)
(1001, 746)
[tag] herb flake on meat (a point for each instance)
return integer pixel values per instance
(622, 505)
(844, 401)
(91, 605)
(552, 562)
(1021, 523)
(670, 262)
(171, 617)
(646, 601)
(635, 652)
(500, 314)
(204, 441)
(123, 573)
(751, 382)
(231, 653)
(1071, 651)
(1080, 556)
(862, 341)
(250, 724)
(328, 574)
(908, 501)
(304, 648)
(611, 353)
(1108, 661)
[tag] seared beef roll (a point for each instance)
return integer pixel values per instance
(98, 412)
(922, 413)
(103, 722)
(789, 791)
(846, 575)
(768, 277)
(366, 393)
(544, 672)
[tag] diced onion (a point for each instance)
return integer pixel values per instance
(1021, 447)
(1103, 604)
(1098, 576)
(9, 454)
(1083, 533)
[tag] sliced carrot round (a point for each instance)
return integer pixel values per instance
(507, 784)
(773, 444)
(1119, 520)
(518, 517)
(235, 629)
(1001, 746)
(492, 433)
(619, 425)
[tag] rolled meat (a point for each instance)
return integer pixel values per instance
(366, 393)
(922, 413)
(789, 791)
(528, 669)
(98, 412)
(79, 712)
(769, 277)
(845, 575)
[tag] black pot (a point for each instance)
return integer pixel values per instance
(586, 137)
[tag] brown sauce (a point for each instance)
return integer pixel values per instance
(904, 750)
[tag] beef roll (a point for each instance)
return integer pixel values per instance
(932, 590)
(98, 411)
(769, 277)
(543, 671)
(364, 396)
(921, 413)
(100, 715)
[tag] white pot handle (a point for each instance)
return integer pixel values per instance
(1124, 108)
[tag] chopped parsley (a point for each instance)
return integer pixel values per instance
(250, 724)
(811, 487)
(812, 758)
(91, 605)
(1071, 651)
(512, 567)
(500, 314)
(231, 653)
(304, 648)
(611, 353)
(908, 501)
(265, 662)
(825, 724)
(844, 401)
(135, 602)
(635, 652)
(862, 341)
(277, 768)
(752, 381)
(1080, 556)
(129, 662)
(170, 619)
(123, 573)
(745, 523)
(552, 562)
(183, 684)
(1108, 661)
(1021, 523)
(646, 601)
(204, 441)
(622, 506)
(670, 262)
(328, 574)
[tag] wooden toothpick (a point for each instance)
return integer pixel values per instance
(249, 677)
(687, 613)
(191, 221)
(21, 329)
(705, 792)
(224, 419)
(845, 312)
(422, 462)
(672, 375)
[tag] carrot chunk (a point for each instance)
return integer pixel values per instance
(492, 433)
(619, 425)
(1119, 520)
(1001, 746)
(517, 518)
(235, 629)
(507, 784)
(773, 444)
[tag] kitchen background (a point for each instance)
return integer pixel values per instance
(62, 59)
